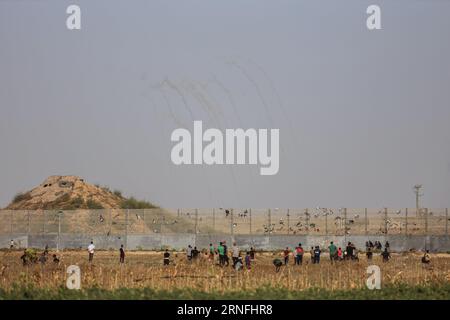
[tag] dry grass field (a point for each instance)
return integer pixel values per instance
(145, 270)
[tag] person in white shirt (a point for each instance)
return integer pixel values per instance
(91, 248)
(235, 254)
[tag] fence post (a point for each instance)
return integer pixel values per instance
(288, 222)
(406, 221)
(29, 223)
(250, 216)
(307, 220)
(196, 223)
(59, 231)
(365, 222)
(345, 225)
(43, 219)
(214, 220)
(446, 221)
(11, 217)
(126, 228)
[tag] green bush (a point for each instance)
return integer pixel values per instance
(92, 204)
(21, 197)
(132, 203)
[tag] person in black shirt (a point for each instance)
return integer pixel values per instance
(386, 255)
(166, 257)
(317, 255)
(277, 263)
(121, 254)
(349, 250)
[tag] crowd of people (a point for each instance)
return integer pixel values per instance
(239, 260)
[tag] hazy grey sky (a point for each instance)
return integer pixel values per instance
(363, 115)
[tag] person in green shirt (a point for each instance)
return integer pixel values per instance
(221, 251)
(333, 250)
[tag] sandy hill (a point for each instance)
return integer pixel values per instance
(78, 199)
(67, 192)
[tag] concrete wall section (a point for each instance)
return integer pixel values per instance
(398, 243)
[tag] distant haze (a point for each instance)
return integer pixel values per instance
(363, 115)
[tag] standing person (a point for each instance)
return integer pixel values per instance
(299, 254)
(166, 259)
(212, 250)
(195, 253)
(11, 244)
(317, 255)
(91, 249)
(252, 253)
(189, 253)
(369, 253)
(122, 254)
(286, 256)
(221, 250)
(225, 254)
(349, 251)
(248, 260)
(235, 254)
(387, 245)
(333, 250)
(339, 254)
(386, 255)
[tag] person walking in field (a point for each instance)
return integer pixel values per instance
(189, 253)
(317, 252)
(91, 249)
(248, 261)
(339, 254)
(121, 254)
(225, 254)
(299, 254)
(221, 251)
(286, 253)
(333, 251)
(386, 255)
(166, 259)
(369, 253)
(212, 251)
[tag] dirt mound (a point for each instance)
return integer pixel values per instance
(66, 193)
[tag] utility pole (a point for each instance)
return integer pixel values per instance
(417, 188)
